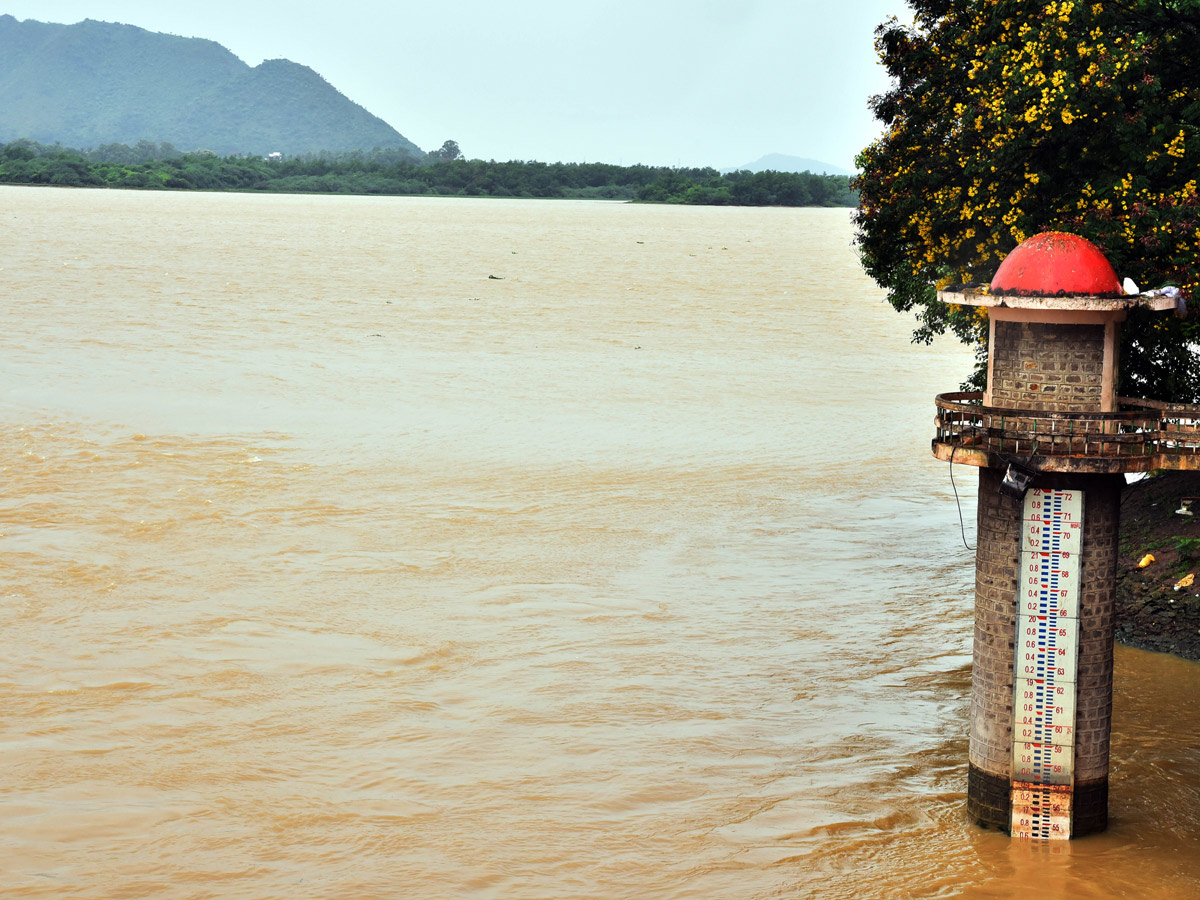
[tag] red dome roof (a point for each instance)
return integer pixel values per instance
(1052, 261)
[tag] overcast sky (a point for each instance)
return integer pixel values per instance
(662, 82)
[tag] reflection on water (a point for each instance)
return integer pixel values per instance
(335, 567)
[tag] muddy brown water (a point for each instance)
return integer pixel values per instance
(333, 566)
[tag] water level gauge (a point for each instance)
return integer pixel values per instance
(1046, 654)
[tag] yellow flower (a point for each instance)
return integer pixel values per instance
(1175, 146)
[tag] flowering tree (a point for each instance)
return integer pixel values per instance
(1011, 117)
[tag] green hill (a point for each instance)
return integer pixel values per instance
(98, 82)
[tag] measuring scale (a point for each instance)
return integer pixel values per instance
(1045, 664)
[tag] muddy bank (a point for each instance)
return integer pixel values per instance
(1151, 613)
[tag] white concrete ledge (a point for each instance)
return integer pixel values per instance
(1066, 304)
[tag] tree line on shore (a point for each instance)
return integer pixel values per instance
(148, 165)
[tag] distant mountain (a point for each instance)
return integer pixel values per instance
(777, 162)
(99, 83)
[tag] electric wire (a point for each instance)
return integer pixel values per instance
(961, 525)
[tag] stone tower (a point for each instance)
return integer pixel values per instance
(1052, 440)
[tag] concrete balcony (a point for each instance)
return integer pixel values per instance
(1140, 436)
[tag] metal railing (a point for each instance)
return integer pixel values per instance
(1141, 434)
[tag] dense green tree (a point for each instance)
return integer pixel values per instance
(19, 150)
(449, 150)
(767, 188)
(1010, 117)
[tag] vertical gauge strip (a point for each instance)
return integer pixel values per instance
(1046, 652)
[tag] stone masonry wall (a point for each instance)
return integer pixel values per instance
(1038, 366)
(996, 571)
(998, 534)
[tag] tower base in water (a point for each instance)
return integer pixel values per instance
(1041, 707)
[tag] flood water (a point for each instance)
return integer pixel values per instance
(427, 548)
